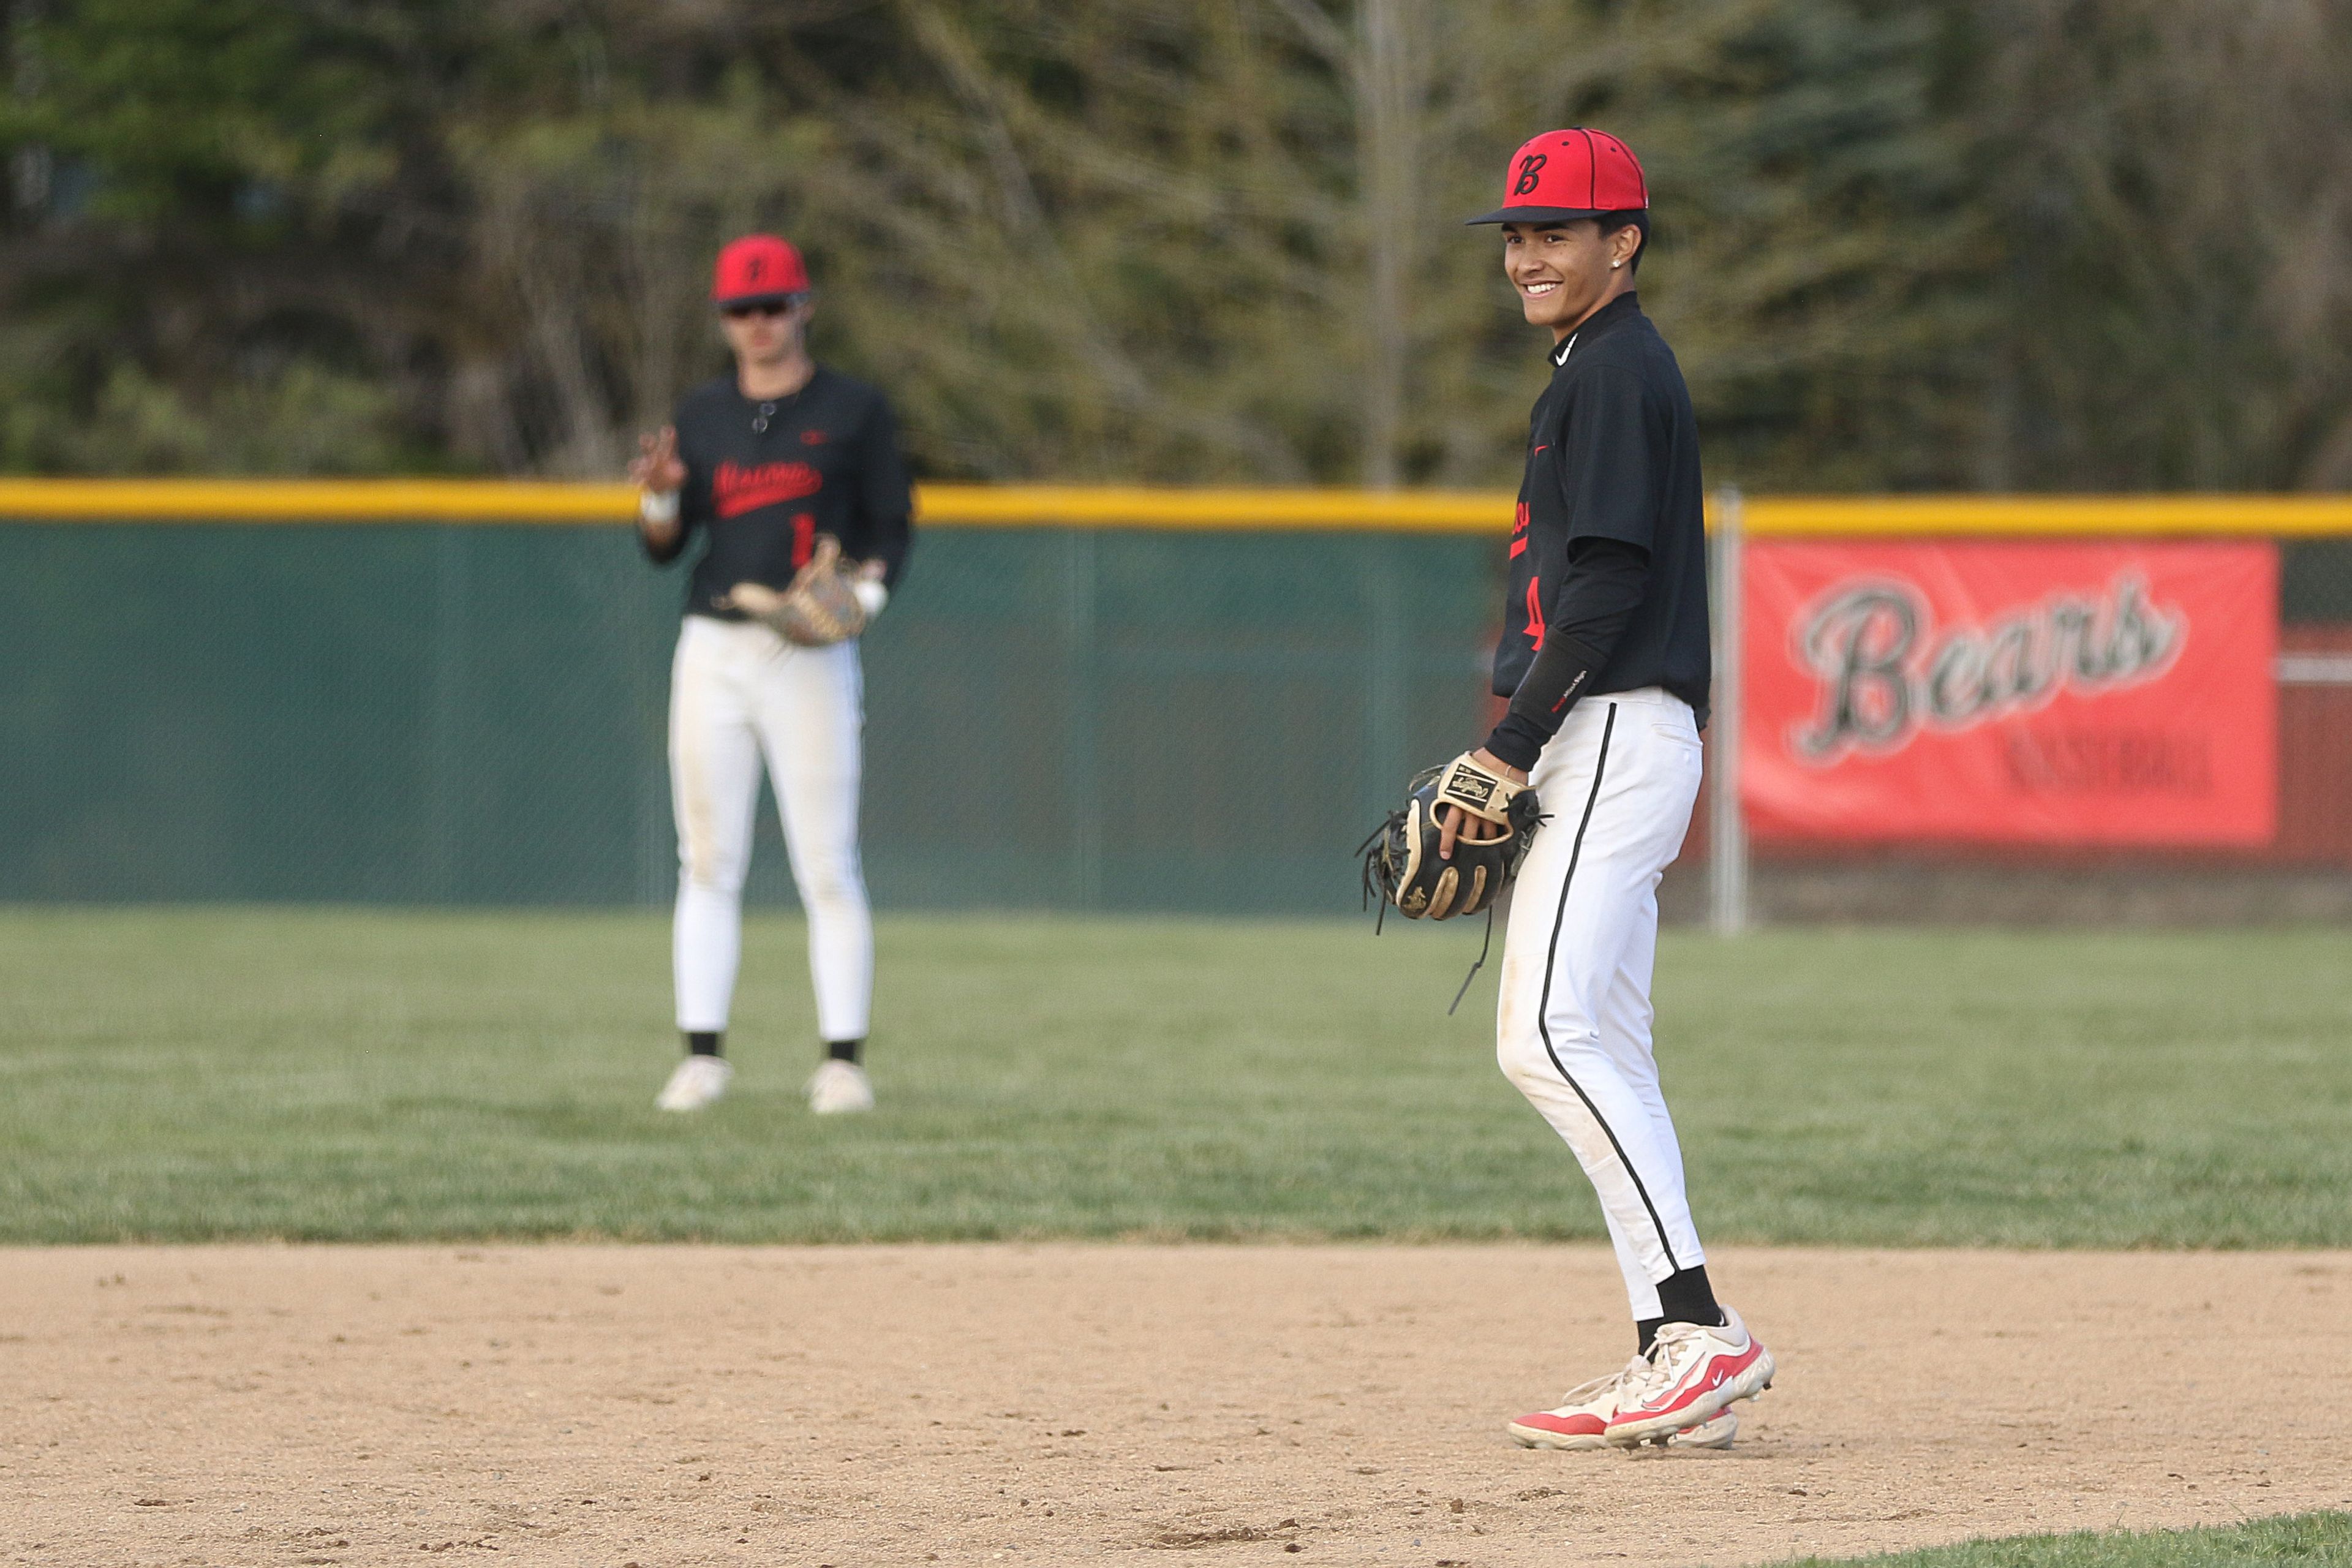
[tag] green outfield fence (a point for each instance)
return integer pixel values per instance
(471, 711)
(421, 693)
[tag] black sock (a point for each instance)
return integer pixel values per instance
(1646, 1330)
(843, 1050)
(702, 1042)
(1686, 1298)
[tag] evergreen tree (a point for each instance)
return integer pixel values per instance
(2036, 242)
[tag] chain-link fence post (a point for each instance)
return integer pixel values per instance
(1727, 828)
(1082, 740)
(445, 879)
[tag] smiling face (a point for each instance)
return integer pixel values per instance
(1565, 271)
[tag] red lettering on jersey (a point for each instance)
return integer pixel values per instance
(1519, 532)
(736, 489)
(804, 539)
(812, 437)
(1535, 613)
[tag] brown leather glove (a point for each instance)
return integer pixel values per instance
(818, 607)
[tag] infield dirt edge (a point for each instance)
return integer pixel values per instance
(1059, 1402)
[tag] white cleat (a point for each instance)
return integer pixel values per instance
(698, 1080)
(1694, 1373)
(1581, 1419)
(839, 1087)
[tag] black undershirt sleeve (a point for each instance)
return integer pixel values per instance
(885, 497)
(1605, 582)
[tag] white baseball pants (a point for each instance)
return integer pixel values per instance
(739, 693)
(1573, 1029)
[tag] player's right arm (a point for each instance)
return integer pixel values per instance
(659, 474)
(1611, 437)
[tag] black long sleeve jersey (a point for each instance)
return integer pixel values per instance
(765, 478)
(1613, 459)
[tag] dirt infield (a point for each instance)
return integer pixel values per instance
(1064, 1403)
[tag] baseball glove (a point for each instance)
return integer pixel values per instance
(817, 607)
(1401, 863)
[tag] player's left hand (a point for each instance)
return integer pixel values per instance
(754, 599)
(1452, 820)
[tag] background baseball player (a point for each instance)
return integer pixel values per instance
(769, 466)
(1604, 657)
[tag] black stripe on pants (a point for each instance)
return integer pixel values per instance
(1551, 957)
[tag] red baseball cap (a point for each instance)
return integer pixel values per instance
(757, 268)
(1566, 174)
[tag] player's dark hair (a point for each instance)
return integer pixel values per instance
(1630, 217)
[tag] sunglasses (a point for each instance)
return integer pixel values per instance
(757, 308)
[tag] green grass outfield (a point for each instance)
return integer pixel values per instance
(2311, 1539)
(358, 1075)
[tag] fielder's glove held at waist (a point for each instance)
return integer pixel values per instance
(1400, 859)
(818, 607)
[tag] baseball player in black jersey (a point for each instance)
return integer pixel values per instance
(791, 477)
(1604, 659)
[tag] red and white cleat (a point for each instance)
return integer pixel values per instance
(1693, 1372)
(1581, 1421)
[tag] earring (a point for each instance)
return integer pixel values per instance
(1614, 265)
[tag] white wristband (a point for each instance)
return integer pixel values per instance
(873, 596)
(658, 507)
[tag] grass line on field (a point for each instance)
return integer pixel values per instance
(2312, 1539)
(193, 1074)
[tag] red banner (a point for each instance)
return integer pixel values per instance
(1998, 693)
